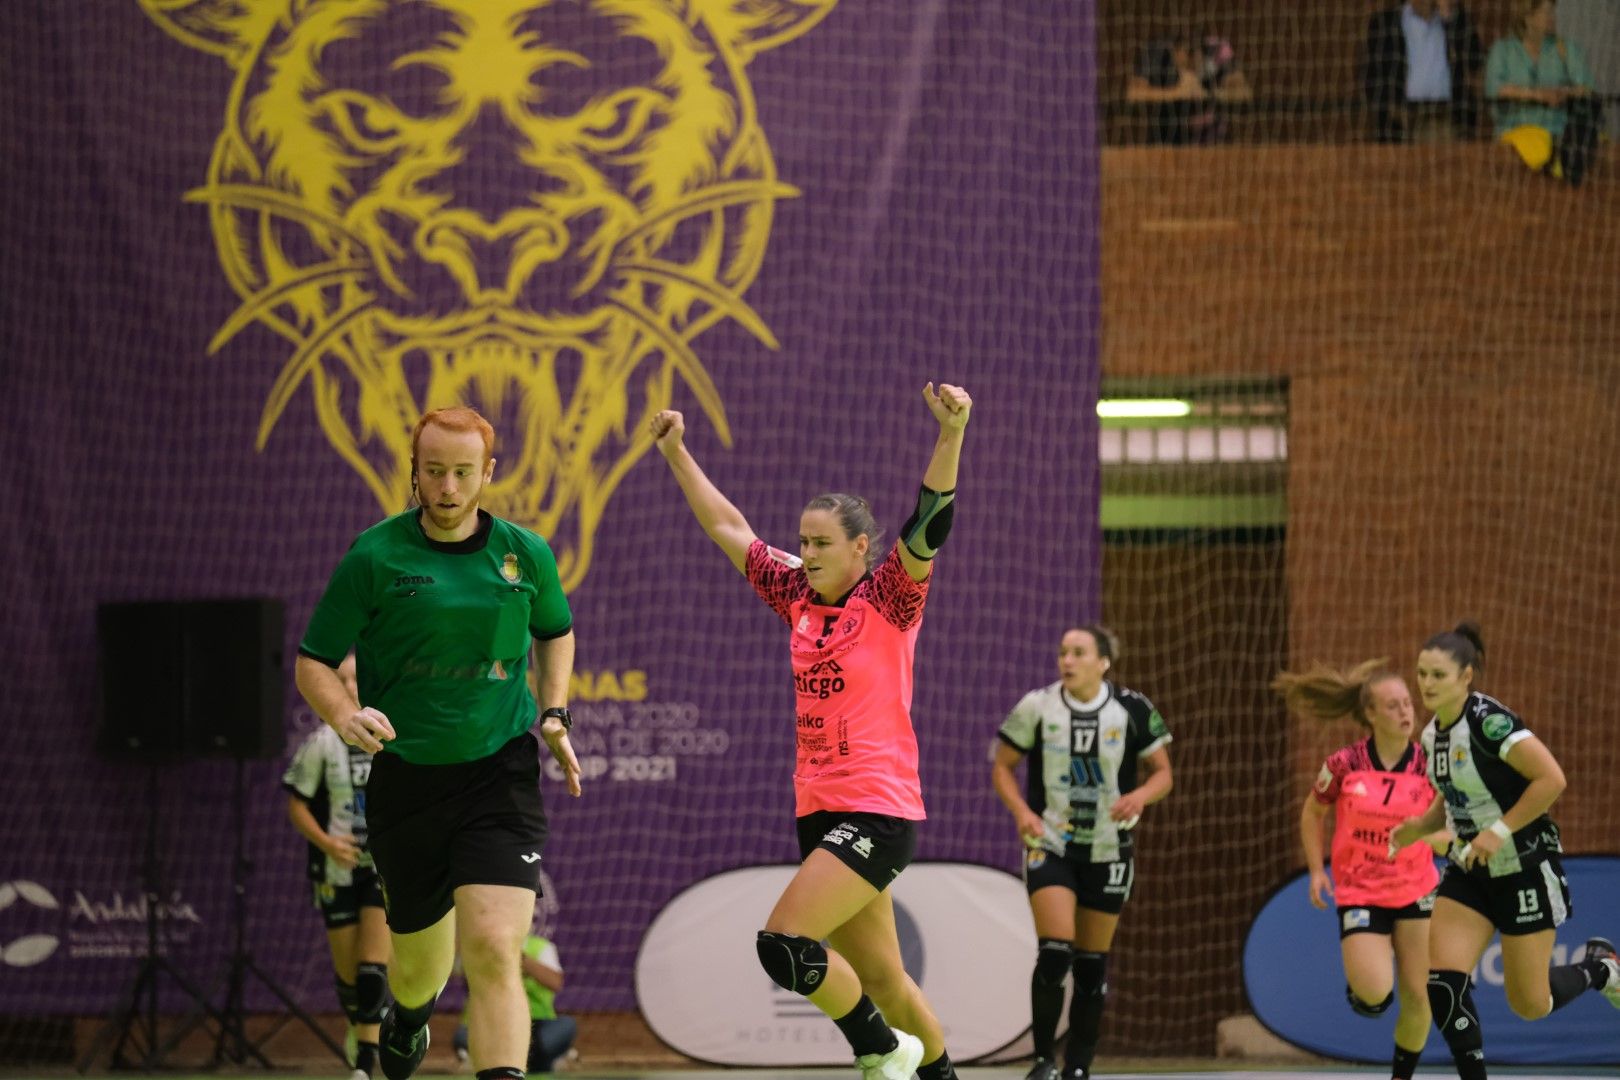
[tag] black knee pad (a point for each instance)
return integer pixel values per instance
(370, 993)
(1052, 961)
(1361, 1008)
(1090, 974)
(793, 962)
(346, 992)
(1451, 1000)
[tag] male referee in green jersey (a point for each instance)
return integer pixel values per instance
(440, 604)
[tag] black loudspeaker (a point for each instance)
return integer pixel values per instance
(193, 678)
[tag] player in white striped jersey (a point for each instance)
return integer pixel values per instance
(326, 793)
(1097, 757)
(1496, 782)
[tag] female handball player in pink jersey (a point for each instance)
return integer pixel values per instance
(1370, 787)
(854, 619)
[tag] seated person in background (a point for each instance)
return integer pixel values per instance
(1417, 72)
(1541, 92)
(1184, 78)
(550, 1036)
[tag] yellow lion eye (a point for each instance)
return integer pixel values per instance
(611, 124)
(364, 122)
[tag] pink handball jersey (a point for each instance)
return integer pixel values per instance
(1368, 801)
(852, 683)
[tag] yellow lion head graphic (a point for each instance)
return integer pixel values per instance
(530, 206)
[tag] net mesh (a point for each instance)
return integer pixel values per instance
(832, 212)
(1399, 359)
(1427, 322)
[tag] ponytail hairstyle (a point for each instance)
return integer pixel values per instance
(855, 517)
(1463, 643)
(1328, 694)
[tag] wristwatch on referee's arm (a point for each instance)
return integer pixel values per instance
(562, 715)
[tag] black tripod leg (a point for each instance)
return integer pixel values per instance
(116, 1029)
(201, 1010)
(295, 1009)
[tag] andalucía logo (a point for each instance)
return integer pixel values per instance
(27, 949)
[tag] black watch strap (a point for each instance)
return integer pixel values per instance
(561, 714)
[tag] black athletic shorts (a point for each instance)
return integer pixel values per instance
(1097, 886)
(1372, 919)
(340, 904)
(437, 827)
(1535, 898)
(875, 846)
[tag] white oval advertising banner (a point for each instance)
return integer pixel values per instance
(965, 936)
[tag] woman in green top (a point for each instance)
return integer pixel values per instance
(1540, 89)
(440, 604)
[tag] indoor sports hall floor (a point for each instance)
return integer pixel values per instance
(999, 1072)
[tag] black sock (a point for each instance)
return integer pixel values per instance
(938, 1069)
(409, 1019)
(1572, 980)
(866, 1030)
(1052, 963)
(1086, 1009)
(1405, 1063)
(365, 1057)
(501, 1072)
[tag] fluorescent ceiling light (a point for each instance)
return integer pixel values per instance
(1142, 408)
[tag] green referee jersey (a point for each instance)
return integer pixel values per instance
(441, 632)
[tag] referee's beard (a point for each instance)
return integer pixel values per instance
(466, 499)
(450, 520)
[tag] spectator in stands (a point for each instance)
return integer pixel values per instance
(1541, 91)
(1596, 25)
(1185, 79)
(1417, 72)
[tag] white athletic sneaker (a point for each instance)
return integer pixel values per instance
(1611, 989)
(898, 1064)
(359, 1074)
(1601, 950)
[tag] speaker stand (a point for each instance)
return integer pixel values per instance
(234, 1045)
(132, 1027)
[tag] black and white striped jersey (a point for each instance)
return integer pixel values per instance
(330, 775)
(1468, 766)
(1081, 760)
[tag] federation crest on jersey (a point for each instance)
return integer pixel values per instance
(1458, 755)
(510, 570)
(1496, 727)
(1324, 779)
(1035, 858)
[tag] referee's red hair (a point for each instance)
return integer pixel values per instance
(457, 418)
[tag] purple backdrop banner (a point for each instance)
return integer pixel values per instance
(249, 242)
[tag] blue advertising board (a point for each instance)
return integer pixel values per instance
(1294, 978)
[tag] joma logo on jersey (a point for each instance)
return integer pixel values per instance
(412, 579)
